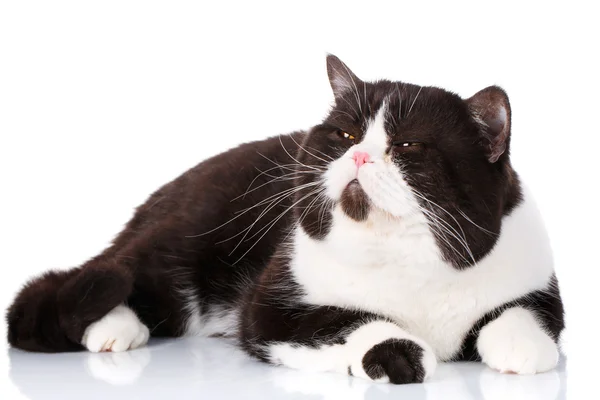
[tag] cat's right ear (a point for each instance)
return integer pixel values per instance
(341, 78)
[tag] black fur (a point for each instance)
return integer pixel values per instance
(398, 359)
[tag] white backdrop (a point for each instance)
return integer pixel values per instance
(103, 102)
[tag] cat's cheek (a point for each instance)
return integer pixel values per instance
(339, 174)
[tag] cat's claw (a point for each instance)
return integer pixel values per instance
(119, 330)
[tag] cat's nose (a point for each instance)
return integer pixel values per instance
(361, 157)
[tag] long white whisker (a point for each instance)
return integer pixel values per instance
(400, 97)
(435, 225)
(471, 221)
(414, 101)
(256, 233)
(462, 242)
(351, 107)
(355, 88)
(285, 177)
(273, 224)
(303, 148)
(441, 208)
(265, 172)
(267, 209)
(343, 112)
(283, 192)
(313, 167)
(320, 168)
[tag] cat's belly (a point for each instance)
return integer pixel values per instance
(402, 276)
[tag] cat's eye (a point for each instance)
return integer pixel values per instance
(407, 147)
(346, 135)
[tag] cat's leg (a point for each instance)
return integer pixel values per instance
(52, 313)
(99, 306)
(516, 342)
(338, 340)
(523, 339)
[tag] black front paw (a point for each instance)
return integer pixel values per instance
(398, 359)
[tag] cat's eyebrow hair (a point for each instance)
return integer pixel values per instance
(327, 125)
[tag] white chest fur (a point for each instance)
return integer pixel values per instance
(396, 270)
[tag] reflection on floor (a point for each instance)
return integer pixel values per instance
(207, 368)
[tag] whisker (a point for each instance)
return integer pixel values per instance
(242, 212)
(351, 107)
(313, 167)
(260, 230)
(269, 208)
(441, 208)
(299, 163)
(471, 221)
(399, 97)
(286, 177)
(355, 88)
(265, 172)
(273, 224)
(414, 101)
(344, 112)
(318, 158)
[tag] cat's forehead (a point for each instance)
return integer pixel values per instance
(403, 103)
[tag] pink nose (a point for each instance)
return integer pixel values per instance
(361, 157)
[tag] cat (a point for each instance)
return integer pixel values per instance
(392, 236)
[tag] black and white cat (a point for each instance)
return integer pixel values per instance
(392, 236)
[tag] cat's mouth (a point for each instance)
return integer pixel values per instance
(355, 202)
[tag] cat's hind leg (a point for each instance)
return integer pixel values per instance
(52, 312)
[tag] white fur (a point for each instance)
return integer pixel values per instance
(218, 321)
(516, 342)
(391, 264)
(338, 357)
(119, 330)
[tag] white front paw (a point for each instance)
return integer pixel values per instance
(516, 343)
(119, 330)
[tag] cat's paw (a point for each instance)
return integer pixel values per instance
(398, 361)
(119, 330)
(516, 343)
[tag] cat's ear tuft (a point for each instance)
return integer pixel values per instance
(340, 76)
(491, 110)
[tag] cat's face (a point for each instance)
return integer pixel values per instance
(405, 151)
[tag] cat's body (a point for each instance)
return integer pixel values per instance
(393, 235)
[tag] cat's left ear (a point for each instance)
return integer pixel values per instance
(341, 78)
(491, 110)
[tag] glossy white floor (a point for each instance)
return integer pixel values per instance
(211, 368)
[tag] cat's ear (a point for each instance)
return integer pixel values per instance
(491, 110)
(340, 76)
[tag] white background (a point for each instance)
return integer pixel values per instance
(103, 102)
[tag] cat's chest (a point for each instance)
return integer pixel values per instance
(435, 309)
(401, 275)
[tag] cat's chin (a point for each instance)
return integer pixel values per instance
(354, 201)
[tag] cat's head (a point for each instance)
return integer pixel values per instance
(402, 150)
